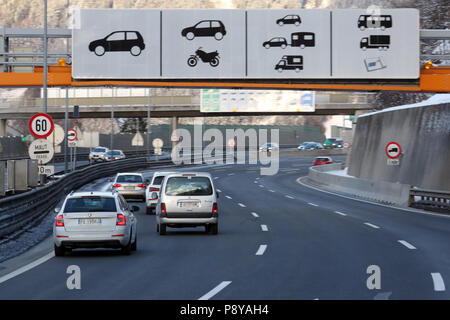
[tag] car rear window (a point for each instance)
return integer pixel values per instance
(99, 150)
(189, 186)
(158, 180)
(130, 178)
(322, 159)
(90, 204)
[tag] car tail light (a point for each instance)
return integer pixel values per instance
(60, 221)
(163, 207)
(154, 189)
(116, 185)
(215, 209)
(315, 163)
(120, 220)
(142, 185)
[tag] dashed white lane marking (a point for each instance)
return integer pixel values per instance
(438, 282)
(255, 182)
(228, 197)
(27, 267)
(407, 244)
(242, 205)
(289, 197)
(255, 214)
(257, 178)
(215, 291)
(261, 186)
(218, 190)
(264, 227)
(272, 190)
(341, 213)
(216, 178)
(262, 248)
(231, 174)
(313, 204)
(371, 225)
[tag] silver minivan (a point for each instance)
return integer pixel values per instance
(187, 199)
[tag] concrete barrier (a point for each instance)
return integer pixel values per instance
(333, 178)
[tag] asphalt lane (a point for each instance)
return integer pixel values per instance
(277, 240)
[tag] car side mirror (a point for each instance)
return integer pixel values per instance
(135, 208)
(57, 210)
(155, 195)
(217, 194)
(147, 181)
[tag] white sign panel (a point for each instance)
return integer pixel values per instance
(41, 150)
(375, 44)
(247, 44)
(47, 170)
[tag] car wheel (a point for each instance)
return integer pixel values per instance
(126, 250)
(190, 36)
(283, 46)
(135, 51)
(214, 229)
(59, 251)
(297, 23)
(100, 50)
(162, 229)
(280, 23)
(218, 36)
(134, 245)
(267, 46)
(149, 210)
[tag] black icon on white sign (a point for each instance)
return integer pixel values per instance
(298, 39)
(290, 63)
(207, 57)
(379, 42)
(374, 21)
(289, 19)
(117, 41)
(205, 28)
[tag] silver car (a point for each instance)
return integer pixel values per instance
(114, 155)
(154, 186)
(130, 185)
(95, 220)
(187, 199)
(98, 154)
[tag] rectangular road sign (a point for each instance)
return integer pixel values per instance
(72, 144)
(246, 44)
(47, 170)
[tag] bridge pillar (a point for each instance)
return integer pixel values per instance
(355, 120)
(3, 127)
(174, 127)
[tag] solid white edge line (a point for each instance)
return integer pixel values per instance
(264, 227)
(255, 214)
(438, 282)
(371, 225)
(407, 244)
(27, 267)
(262, 248)
(371, 202)
(215, 291)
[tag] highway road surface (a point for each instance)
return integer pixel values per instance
(278, 239)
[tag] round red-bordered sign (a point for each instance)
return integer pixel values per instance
(393, 150)
(72, 135)
(41, 125)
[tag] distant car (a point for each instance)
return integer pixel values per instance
(114, 155)
(205, 28)
(154, 186)
(270, 146)
(95, 220)
(322, 160)
(332, 143)
(310, 146)
(290, 19)
(130, 185)
(187, 199)
(276, 42)
(131, 41)
(98, 154)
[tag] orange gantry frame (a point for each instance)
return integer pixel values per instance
(435, 79)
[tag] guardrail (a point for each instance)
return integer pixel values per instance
(20, 211)
(434, 200)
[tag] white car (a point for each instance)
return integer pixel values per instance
(268, 147)
(130, 185)
(95, 220)
(154, 186)
(98, 154)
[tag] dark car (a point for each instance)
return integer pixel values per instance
(205, 28)
(332, 143)
(310, 146)
(131, 41)
(290, 19)
(276, 42)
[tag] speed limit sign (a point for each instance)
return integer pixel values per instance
(41, 125)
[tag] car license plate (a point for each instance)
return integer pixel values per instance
(129, 187)
(89, 221)
(189, 204)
